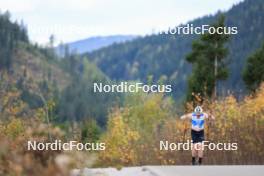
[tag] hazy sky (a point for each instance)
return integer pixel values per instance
(71, 20)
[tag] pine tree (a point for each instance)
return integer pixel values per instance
(253, 74)
(208, 62)
(10, 34)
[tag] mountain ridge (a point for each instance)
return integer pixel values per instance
(94, 43)
(163, 56)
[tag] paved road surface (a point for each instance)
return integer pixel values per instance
(174, 171)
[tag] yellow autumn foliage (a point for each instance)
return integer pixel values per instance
(151, 120)
(119, 142)
(14, 128)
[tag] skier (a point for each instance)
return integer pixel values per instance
(197, 132)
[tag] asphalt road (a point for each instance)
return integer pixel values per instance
(247, 170)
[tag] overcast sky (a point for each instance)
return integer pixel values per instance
(71, 20)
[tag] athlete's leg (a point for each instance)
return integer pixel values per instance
(200, 150)
(200, 153)
(194, 153)
(193, 156)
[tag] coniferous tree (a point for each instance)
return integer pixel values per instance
(10, 35)
(208, 61)
(254, 71)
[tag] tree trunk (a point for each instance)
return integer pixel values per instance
(215, 75)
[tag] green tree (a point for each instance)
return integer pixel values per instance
(253, 73)
(90, 131)
(10, 35)
(208, 61)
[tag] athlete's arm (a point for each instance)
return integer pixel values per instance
(186, 116)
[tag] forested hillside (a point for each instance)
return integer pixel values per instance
(37, 73)
(39, 78)
(163, 56)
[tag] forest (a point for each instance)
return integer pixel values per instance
(45, 96)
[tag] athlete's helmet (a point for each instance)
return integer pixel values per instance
(198, 110)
